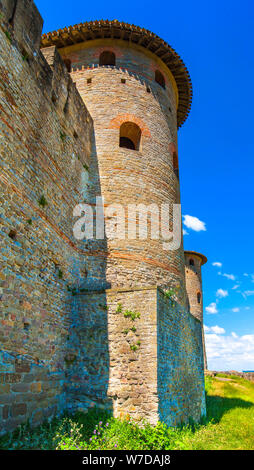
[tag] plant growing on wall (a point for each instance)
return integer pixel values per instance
(171, 294)
(132, 315)
(42, 201)
(62, 136)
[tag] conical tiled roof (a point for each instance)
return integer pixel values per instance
(118, 30)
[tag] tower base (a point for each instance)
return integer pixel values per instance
(139, 354)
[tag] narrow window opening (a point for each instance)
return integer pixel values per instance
(75, 135)
(54, 97)
(26, 326)
(199, 297)
(13, 234)
(130, 135)
(89, 80)
(191, 262)
(159, 78)
(107, 58)
(123, 80)
(148, 89)
(67, 64)
(175, 165)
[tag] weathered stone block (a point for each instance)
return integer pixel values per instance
(20, 387)
(21, 366)
(10, 378)
(4, 388)
(18, 409)
(36, 387)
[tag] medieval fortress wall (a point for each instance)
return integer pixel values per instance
(87, 323)
(40, 157)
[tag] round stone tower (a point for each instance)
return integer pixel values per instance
(138, 92)
(193, 275)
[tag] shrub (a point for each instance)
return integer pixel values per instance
(42, 201)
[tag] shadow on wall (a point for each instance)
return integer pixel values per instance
(87, 351)
(180, 364)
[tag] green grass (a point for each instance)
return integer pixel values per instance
(229, 425)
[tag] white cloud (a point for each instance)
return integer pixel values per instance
(247, 308)
(248, 292)
(194, 223)
(185, 232)
(214, 329)
(245, 274)
(230, 352)
(217, 263)
(236, 309)
(217, 330)
(221, 293)
(236, 286)
(212, 308)
(228, 276)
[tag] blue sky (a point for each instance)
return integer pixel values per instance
(216, 145)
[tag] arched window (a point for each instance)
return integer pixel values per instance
(191, 262)
(159, 78)
(130, 135)
(107, 58)
(68, 64)
(199, 297)
(175, 164)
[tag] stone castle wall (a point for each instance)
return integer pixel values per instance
(180, 363)
(64, 345)
(45, 140)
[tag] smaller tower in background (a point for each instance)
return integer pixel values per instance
(193, 276)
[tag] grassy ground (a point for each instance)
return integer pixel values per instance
(229, 425)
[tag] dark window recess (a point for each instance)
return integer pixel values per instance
(191, 262)
(26, 326)
(127, 143)
(89, 80)
(13, 234)
(148, 89)
(198, 297)
(130, 135)
(159, 78)
(54, 97)
(107, 58)
(67, 64)
(123, 80)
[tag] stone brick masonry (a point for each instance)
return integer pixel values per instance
(41, 157)
(87, 323)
